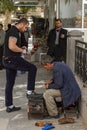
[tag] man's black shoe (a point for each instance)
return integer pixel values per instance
(13, 109)
(34, 95)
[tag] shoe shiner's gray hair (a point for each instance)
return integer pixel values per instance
(46, 59)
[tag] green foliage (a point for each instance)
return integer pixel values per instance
(27, 3)
(25, 8)
(6, 5)
(9, 5)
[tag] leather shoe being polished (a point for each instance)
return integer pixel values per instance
(13, 109)
(34, 95)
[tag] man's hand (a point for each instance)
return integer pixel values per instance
(24, 47)
(62, 36)
(24, 51)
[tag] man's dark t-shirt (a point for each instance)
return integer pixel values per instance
(13, 32)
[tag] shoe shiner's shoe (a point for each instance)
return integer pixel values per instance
(49, 117)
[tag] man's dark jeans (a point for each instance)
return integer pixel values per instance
(12, 64)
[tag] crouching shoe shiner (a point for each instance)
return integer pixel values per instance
(63, 84)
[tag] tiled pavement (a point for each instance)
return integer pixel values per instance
(19, 120)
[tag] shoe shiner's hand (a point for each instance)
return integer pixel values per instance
(49, 81)
(46, 85)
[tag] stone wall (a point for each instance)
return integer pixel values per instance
(83, 103)
(72, 36)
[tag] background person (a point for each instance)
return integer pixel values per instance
(13, 62)
(63, 84)
(57, 42)
(2, 37)
(9, 26)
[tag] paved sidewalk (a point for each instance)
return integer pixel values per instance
(19, 120)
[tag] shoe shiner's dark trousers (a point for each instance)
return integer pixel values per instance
(12, 64)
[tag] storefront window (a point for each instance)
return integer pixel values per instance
(71, 13)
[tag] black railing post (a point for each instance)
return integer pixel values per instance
(81, 60)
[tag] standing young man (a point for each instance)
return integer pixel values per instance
(13, 61)
(57, 42)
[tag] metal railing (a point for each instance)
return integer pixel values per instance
(81, 60)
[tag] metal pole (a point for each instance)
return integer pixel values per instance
(82, 14)
(57, 9)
